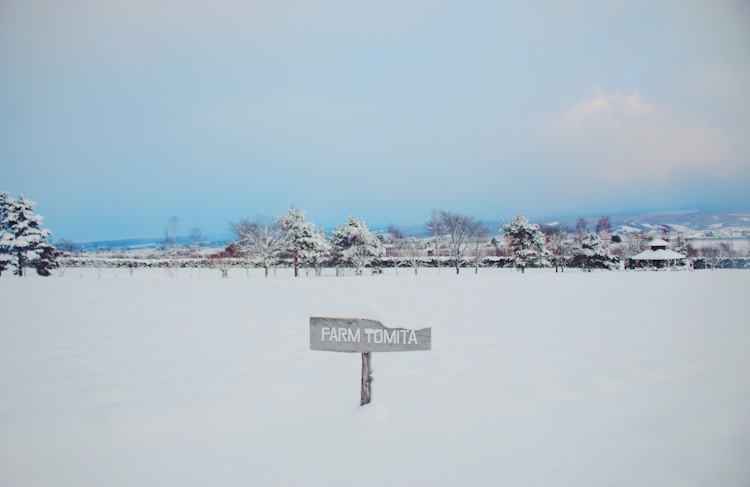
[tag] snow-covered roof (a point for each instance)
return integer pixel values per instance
(657, 242)
(659, 254)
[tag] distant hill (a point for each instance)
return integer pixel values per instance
(151, 243)
(690, 223)
(694, 224)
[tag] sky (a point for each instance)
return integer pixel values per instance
(117, 115)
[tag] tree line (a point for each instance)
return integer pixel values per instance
(457, 240)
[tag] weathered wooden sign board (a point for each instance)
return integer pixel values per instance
(358, 335)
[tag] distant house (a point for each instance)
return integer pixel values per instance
(657, 256)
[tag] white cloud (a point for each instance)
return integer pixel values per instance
(622, 138)
(601, 104)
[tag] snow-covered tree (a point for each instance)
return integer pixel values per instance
(479, 244)
(46, 260)
(436, 228)
(635, 243)
(306, 246)
(681, 245)
(526, 241)
(559, 244)
(460, 230)
(712, 256)
(170, 236)
(318, 253)
(412, 250)
(5, 257)
(261, 238)
(357, 244)
(604, 229)
(592, 254)
(5, 261)
(582, 225)
(223, 260)
(23, 241)
(196, 236)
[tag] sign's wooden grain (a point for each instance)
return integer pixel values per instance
(366, 390)
(359, 335)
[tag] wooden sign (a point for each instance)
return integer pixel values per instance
(357, 335)
(360, 335)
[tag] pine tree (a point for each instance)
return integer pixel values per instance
(5, 235)
(526, 241)
(23, 241)
(357, 244)
(306, 246)
(592, 254)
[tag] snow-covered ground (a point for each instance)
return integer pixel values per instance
(540, 379)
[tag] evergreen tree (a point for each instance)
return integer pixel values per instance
(306, 246)
(5, 236)
(357, 244)
(526, 241)
(47, 260)
(681, 246)
(4, 261)
(23, 242)
(592, 254)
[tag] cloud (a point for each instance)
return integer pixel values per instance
(621, 138)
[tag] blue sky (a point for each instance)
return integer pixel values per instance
(117, 115)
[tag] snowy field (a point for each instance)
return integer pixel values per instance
(541, 379)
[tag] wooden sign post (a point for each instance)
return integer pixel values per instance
(357, 335)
